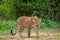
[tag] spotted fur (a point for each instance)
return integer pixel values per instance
(27, 22)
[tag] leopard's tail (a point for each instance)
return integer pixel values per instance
(12, 32)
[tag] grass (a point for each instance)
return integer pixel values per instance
(42, 36)
(57, 35)
(7, 25)
(50, 24)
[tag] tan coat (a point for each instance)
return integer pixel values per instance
(29, 22)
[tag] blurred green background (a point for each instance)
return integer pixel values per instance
(10, 10)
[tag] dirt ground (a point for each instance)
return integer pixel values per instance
(43, 35)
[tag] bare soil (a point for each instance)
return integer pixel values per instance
(43, 35)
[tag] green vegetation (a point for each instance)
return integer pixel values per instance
(50, 24)
(48, 10)
(6, 26)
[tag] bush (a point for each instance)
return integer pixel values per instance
(6, 26)
(49, 24)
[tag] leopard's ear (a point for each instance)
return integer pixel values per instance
(35, 17)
